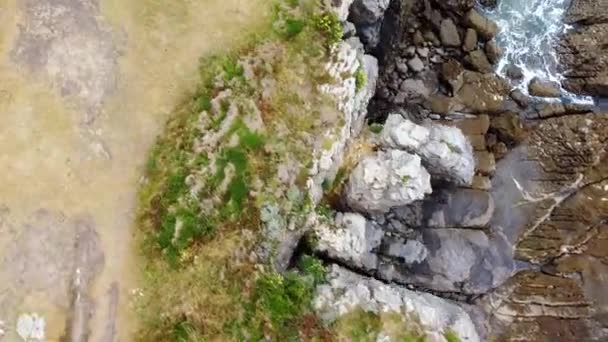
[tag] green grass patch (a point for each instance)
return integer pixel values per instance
(364, 326)
(280, 303)
(451, 336)
(360, 78)
(198, 200)
(376, 128)
(329, 24)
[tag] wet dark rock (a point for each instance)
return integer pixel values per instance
(509, 128)
(485, 27)
(458, 260)
(583, 52)
(415, 64)
(418, 39)
(348, 30)
(580, 108)
(514, 72)
(465, 208)
(370, 34)
(489, 3)
(520, 98)
(402, 68)
(548, 109)
(456, 6)
(542, 88)
(441, 104)
(423, 52)
(483, 93)
(365, 12)
(493, 52)
(449, 33)
(478, 61)
(452, 72)
(559, 225)
(470, 40)
(432, 37)
(587, 12)
(414, 89)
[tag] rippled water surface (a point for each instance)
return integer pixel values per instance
(529, 34)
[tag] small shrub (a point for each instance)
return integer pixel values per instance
(451, 336)
(360, 78)
(293, 27)
(232, 69)
(202, 103)
(313, 267)
(359, 325)
(181, 331)
(293, 3)
(175, 186)
(280, 301)
(329, 25)
(376, 128)
(251, 140)
(324, 210)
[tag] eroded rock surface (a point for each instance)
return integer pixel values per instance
(583, 51)
(347, 291)
(67, 42)
(524, 241)
(445, 151)
(385, 180)
(559, 187)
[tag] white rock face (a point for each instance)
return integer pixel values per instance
(30, 327)
(449, 155)
(404, 134)
(388, 179)
(341, 8)
(445, 151)
(351, 238)
(346, 291)
(352, 103)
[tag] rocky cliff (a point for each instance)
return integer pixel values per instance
(513, 230)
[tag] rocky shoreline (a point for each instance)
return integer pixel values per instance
(491, 200)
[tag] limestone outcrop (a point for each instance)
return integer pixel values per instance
(385, 180)
(347, 291)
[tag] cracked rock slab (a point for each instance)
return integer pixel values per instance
(445, 151)
(385, 180)
(346, 291)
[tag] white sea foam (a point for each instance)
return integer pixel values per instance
(529, 34)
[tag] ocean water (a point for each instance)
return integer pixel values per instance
(530, 31)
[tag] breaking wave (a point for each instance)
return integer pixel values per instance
(530, 31)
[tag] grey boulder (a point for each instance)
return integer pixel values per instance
(385, 180)
(346, 291)
(444, 150)
(485, 27)
(541, 88)
(449, 33)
